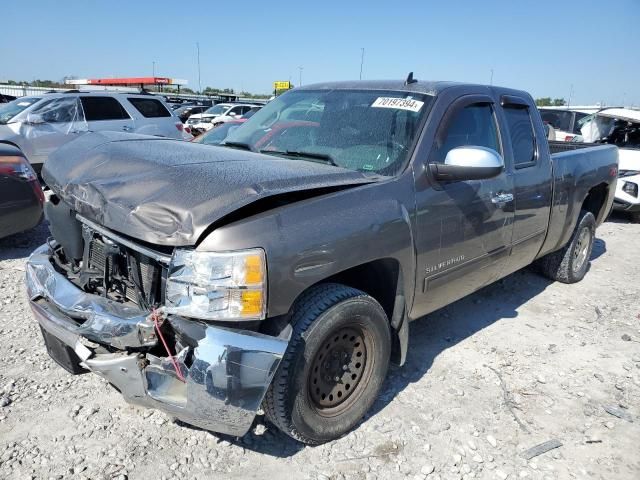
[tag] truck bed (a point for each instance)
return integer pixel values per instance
(556, 146)
(577, 169)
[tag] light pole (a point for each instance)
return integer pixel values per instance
(361, 61)
(491, 79)
(300, 76)
(153, 69)
(199, 82)
(570, 95)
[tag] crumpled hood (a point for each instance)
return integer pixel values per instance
(168, 192)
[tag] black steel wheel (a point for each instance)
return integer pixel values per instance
(334, 366)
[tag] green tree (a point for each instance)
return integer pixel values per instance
(548, 102)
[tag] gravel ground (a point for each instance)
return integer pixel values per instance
(522, 362)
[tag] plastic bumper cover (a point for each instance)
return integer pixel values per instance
(226, 374)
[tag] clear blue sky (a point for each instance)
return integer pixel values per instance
(542, 46)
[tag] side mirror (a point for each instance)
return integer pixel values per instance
(35, 119)
(232, 114)
(468, 163)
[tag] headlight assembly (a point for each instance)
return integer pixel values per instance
(227, 286)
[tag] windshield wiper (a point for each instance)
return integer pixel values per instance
(242, 145)
(295, 153)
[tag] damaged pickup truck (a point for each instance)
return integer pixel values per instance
(282, 269)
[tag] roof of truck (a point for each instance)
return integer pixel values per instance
(420, 86)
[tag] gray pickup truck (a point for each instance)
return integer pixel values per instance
(282, 269)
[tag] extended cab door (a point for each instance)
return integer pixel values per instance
(528, 154)
(105, 113)
(463, 228)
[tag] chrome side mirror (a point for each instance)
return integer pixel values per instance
(468, 163)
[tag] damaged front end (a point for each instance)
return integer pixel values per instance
(99, 308)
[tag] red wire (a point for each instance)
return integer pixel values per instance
(154, 316)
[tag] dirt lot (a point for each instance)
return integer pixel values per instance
(517, 364)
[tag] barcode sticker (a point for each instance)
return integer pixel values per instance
(398, 103)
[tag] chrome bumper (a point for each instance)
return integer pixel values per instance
(227, 373)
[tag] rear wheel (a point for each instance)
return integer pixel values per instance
(570, 264)
(334, 366)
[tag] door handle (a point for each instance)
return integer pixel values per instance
(502, 198)
(127, 128)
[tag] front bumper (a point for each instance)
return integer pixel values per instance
(624, 201)
(227, 372)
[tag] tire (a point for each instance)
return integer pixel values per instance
(304, 399)
(635, 217)
(570, 264)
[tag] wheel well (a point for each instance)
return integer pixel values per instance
(379, 278)
(595, 200)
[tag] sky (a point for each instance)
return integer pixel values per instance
(586, 50)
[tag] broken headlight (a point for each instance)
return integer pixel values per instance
(217, 286)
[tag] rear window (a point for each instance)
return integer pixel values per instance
(103, 108)
(150, 107)
(521, 133)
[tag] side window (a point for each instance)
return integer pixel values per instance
(473, 125)
(521, 134)
(60, 110)
(150, 107)
(103, 108)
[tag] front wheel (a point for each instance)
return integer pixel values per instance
(335, 364)
(570, 264)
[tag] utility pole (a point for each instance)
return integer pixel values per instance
(300, 77)
(570, 95)
(491, 79)
(199, 82)
(361, 61)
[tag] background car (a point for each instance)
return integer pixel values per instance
(620, 127)
(217, 114)
(21, 196)
(564, 120)
(185, 111)
(217, 135)
(44, 125)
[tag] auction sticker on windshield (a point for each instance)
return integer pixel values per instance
(399, 103)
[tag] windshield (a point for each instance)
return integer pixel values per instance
(217, 109)
(11, 109)
(360, 130)
(217, 135)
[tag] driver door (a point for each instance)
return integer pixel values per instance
(464, 228)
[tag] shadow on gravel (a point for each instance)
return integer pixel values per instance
(22, 244)
(431, 335)
(619, 217)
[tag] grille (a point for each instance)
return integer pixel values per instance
(128, 268)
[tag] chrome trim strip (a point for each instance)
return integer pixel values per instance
(157, 256)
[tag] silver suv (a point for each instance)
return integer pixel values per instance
(40, 125)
